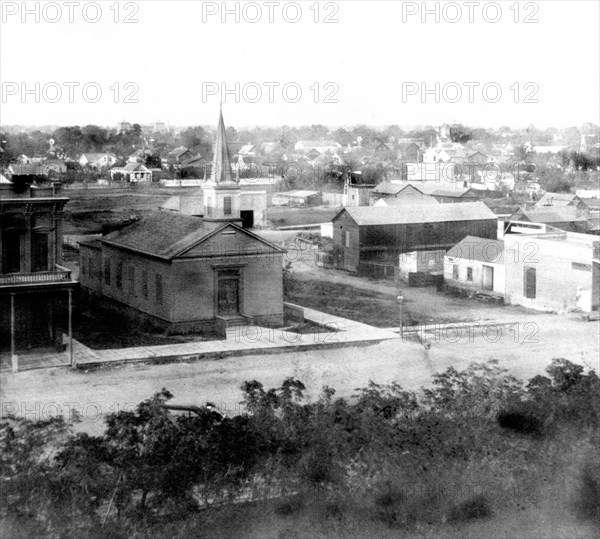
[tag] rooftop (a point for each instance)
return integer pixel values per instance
(481, 249)
(419, 213)
(162, 234)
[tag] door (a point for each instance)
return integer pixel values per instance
(228, 300)
(247, 217)
(488, 278)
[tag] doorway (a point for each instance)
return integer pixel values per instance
(247, 217)
(488, 278)
(228, 293)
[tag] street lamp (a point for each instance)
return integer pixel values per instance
(400, 301)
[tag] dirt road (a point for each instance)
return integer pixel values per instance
(41, 393)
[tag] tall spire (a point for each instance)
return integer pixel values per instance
(221, 168)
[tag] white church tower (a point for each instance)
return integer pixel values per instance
(222, 190)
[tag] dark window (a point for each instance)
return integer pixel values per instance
(159, 288)
(209, 209)
(119, 276)
(83, 266)
(132, 280)
(144, 283)
(529, 283)
(39, 252)
(469, 274)
(455, 272)
(11, 252)
(227, 205)
(107, 271)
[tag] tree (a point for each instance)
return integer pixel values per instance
(194, 136)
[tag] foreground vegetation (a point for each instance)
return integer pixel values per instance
(477, 446)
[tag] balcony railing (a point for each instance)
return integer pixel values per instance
(59, 275)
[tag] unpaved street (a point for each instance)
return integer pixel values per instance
(524, 351)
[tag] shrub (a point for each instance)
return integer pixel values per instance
(476, 508)
(521, 422)
(587, 500)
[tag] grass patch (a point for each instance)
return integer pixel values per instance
(374, 308)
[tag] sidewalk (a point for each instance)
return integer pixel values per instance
(333, 332)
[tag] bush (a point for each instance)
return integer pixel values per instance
(587, 501)
(478, 507)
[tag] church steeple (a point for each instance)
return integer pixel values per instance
(221, 167)
(222, 191)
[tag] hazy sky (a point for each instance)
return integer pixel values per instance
(371, 66)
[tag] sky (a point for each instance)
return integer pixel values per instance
(483, 64)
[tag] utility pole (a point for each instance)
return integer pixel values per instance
(400, 301)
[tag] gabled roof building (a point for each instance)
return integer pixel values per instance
(186, 273)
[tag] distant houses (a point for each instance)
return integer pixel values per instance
(317, 147)
(561, 200)
(97, 160)
(132, 172)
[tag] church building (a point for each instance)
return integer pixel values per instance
(186, 273)
(251, 194)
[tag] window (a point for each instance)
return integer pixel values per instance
(119, 276)
(529, 283)
(132, 280)
(470, 274)
(144, 283)
(209, 208)
(39, 252)
(227, 205)
(159, 289)
(347, 238)
(107, 271)
(11, 251)
(83, 266)
(455, 272)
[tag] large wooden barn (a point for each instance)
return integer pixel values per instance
(378, 234)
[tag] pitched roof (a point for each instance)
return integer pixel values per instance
(387, 188)
(441, 189)
(178, 152)
(246, 149)
(166, 234)
(419, 213)
(160, 234)
(482, 249)
(556, 199)
(553, 214)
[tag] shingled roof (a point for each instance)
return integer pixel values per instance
(162, 234)
(166, 234)
(419, 213)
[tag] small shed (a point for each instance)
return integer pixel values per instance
(476, 264)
